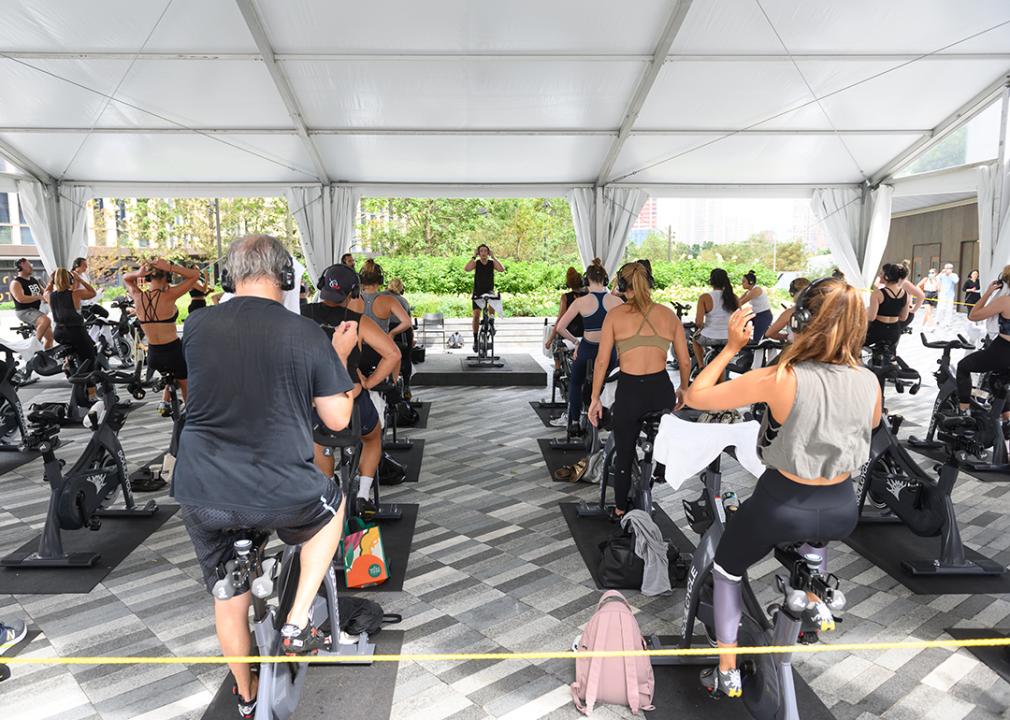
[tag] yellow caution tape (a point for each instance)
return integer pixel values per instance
(495, 657)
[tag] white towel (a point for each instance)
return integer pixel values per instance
(686, 448)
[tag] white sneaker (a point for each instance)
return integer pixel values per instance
(560, 422)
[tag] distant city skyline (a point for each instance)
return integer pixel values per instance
(727, 220)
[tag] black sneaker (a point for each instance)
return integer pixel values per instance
(302, 641)
(364, 508)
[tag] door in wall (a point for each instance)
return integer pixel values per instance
(968, 261)
(924, 257)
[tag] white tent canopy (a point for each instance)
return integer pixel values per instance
(521, 98)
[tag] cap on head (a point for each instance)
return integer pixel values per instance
(338, 283)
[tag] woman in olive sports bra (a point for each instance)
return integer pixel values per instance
(157, 313)
(642, 331)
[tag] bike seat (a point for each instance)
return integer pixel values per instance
(87, 374)
(348, 437)
(954, 423)
(490, 296)
(959, 344)
(650, 422)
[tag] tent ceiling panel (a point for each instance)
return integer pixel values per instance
(464, 94)
(518, 25)
(201, 93)
(725, 95)
(31, 97)
(123, 25)
(817, 159)
(918, 202)
(462, 159)
(168, 158)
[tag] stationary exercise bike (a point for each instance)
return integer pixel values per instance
(16, 435)
(251, 569)
(946, 403)
(643, 471)
(86, 493)
(769, 692)
(392, 393)
(883, 361)
(562, 374)
(345, 449)
(485, 356)
(149, 479)
(983, 433)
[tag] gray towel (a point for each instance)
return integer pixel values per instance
(650, 546)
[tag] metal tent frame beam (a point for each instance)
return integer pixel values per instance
(645, 85)
(259, 34)
(946, 126)
(32, 168)
(642, 132)
(523, 56)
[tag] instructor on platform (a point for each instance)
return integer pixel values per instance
(483, 265)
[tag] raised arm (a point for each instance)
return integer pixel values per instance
(131, 279)
(389, 354)
(189, 278)
(47, 292)
(395, 308)
(562, 327)
(85, 292)
(471, 265)
(497, 265)
(983, 308)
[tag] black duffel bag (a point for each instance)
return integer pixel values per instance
(417, 354)
(360, 615)
(390, 471)
(406, 415)
(620, 568)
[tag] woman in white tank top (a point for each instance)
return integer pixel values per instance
(712, 316)
(759, 303)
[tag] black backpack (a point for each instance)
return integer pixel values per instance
(390, 471)
(406, 415)
(358, 615)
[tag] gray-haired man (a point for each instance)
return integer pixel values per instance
(245, 453)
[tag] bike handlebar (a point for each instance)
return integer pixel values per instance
(961, 343)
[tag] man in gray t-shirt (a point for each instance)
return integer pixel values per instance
(256, 374)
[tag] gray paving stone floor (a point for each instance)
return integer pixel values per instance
(493, 568)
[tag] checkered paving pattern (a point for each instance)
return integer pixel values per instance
(493, 568)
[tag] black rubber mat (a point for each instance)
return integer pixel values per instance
(546, 414)
(397, 537)
(886, 546)
(940, 455)
(996, 659)
(555, 459)
(679, 694)
(116, 539)
(410, 459)
(349, 691)
(12, 460)
(588, 533)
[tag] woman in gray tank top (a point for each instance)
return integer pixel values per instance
(822, 407)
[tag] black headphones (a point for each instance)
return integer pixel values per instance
(802, 315)
(286, 277)
(622, 284)
(585, 278)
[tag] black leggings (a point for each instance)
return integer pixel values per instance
(76, 337)
(782, 511)
(636, 396)
(879, 332)
(994, 357)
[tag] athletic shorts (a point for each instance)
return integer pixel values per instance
(29, 316)
(214, 531)
(168, 358)
(930, 299)
(367, 412)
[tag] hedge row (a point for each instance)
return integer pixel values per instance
(445, 275)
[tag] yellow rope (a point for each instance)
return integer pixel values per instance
(495, 657)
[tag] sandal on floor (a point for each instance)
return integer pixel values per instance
(572, 473)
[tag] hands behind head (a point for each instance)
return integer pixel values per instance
(345, 337)
(740, 327)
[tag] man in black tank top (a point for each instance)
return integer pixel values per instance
(483, 265)
(26, 292)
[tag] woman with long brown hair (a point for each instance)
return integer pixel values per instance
(822, 408)
(576, 289)
(642, 331)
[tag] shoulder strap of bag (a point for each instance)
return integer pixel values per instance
(628, 642)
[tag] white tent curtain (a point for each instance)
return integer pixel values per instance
(602, 219)
(325, 219)
(839, 209)
(58, 220)
(877, 233)
(993, 238)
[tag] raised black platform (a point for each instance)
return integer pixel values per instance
(447, 369)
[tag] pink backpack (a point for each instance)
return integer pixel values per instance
(614, 680)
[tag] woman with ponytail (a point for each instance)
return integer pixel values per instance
(759, 304)
(889, 305)
(590, 310)
(822, 408)
(642, 331)
(714, 309)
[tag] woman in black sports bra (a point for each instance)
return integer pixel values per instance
(198, 294)
(157, 312)
(889, 306)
